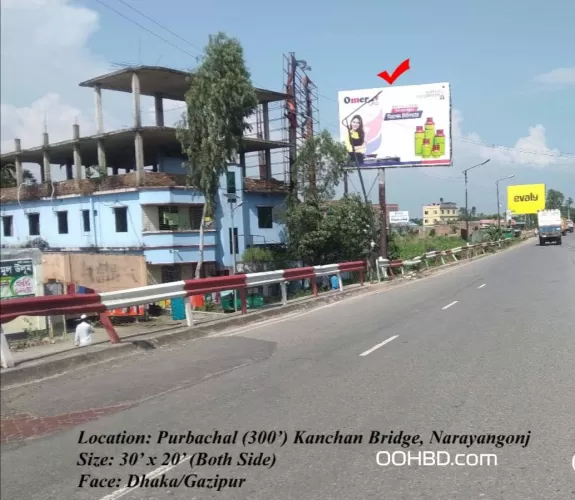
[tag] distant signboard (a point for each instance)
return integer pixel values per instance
(17, 279)
(526, 198)
(401, 217)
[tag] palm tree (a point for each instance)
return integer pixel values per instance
(8, 176)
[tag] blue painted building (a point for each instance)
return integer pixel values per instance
(142, 205)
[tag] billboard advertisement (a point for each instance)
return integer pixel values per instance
(17, 279)
(526, 198)
(406, 126)
(401, 217)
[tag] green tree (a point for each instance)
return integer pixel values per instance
(8, 176)
(348, 223)
(219, 100)
(554, 199)
(318, 169)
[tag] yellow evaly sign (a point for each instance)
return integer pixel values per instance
(526, 198)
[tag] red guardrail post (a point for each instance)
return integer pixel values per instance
(314, 285)
(110, 330)
(243, 299)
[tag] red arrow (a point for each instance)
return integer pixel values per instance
(402, 68)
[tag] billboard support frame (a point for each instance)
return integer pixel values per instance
(345, 123)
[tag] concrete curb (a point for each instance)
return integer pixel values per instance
(42, 368)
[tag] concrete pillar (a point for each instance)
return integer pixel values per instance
(139, 146)
(102, 155)
(189, 311)
(268, 153)
(159, 105)
(243, 164)
(18, 162)
(266, 119)
(77, 155)
(136, 97)
(46, 158)
(99, 110)
(138, 140)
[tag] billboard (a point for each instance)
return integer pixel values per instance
(526, 198)
(17, 279)
(401, 217)
(406, 126)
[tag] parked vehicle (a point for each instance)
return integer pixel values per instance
(549, 226)
(570, 226)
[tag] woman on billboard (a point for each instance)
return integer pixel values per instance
(355, 140)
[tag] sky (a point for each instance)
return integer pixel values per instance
(511, 67)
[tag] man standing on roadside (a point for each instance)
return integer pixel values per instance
(84, 332)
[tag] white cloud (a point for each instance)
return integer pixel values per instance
(27, 122)
(530, 150)
(560, 77)
(44, 57)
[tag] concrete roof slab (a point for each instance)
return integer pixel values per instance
(119, 147)
(157, 80)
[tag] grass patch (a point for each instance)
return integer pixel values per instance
(410, 247)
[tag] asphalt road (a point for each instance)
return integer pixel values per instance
(483, 348)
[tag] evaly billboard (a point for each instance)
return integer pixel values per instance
(406, 126)
(525, 199)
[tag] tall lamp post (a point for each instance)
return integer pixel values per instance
(498, 206)
(466, 207)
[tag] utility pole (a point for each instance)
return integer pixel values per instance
(498, 207)
(233, 208)
(383, 209)
(466, 207)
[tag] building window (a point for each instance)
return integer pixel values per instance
(173, 218)
(62, 222)
(231, 182)
(426, 221)
(235, 241)
(7, 226)
(171, 274)
(86, 220)
(121, 215)
(426, 213)
(443, 212)
(34, 224)
(265, 220)
(169, 218)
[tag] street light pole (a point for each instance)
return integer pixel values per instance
(498, 204)
(466, 207)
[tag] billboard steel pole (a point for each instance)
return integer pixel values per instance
(383, 209)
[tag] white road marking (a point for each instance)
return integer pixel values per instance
(378, 345)
(150, 475)
(480, 286)
(449, 305)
